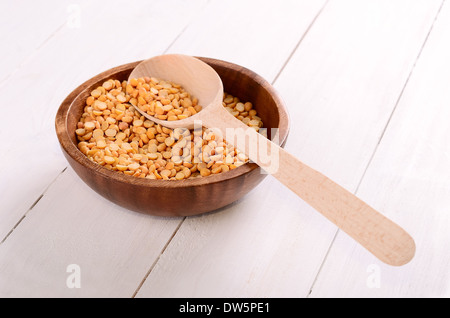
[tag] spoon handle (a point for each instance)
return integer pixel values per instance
(378, 234)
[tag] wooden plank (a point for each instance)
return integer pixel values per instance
(33, 150)
(33, 161)
(20, 39)
(35, 253)
(259, 35)
(340, 86)
(73, 226)
(409, 180)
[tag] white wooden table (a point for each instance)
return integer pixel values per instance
(367, 86)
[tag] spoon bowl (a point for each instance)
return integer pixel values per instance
(197, 78)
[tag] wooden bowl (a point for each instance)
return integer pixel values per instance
(170, 197)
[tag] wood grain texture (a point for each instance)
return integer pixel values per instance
(87, 65)
(259, 35)
(16, 36)
(340, 87)
(69, 61)
(112, 246)
(341, 77)
(416, 145)
(385, 239)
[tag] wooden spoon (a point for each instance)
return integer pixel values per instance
(382, 237)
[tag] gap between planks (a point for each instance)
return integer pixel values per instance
(363, 174)
(299, 42)
(157, 259)
(379, 140)
(24, 62)
(19, 66)
(165, 51)
(32, 206)
(272, 83)
(275, 79)
(30, 56)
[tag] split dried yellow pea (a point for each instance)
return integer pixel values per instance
(229, 99)
(96, 93)
(180, 176)
(108, 85)
(138, 123)
(169, 141)
(100, 105)
(216, 170)
(133, 166)
(101, 144)
(205, 172)
(109, 160)
(110, 132)
(240, 107)
(165, 173)
(97, 133)
(89, 126)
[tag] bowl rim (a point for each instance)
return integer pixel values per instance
(72, 150)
